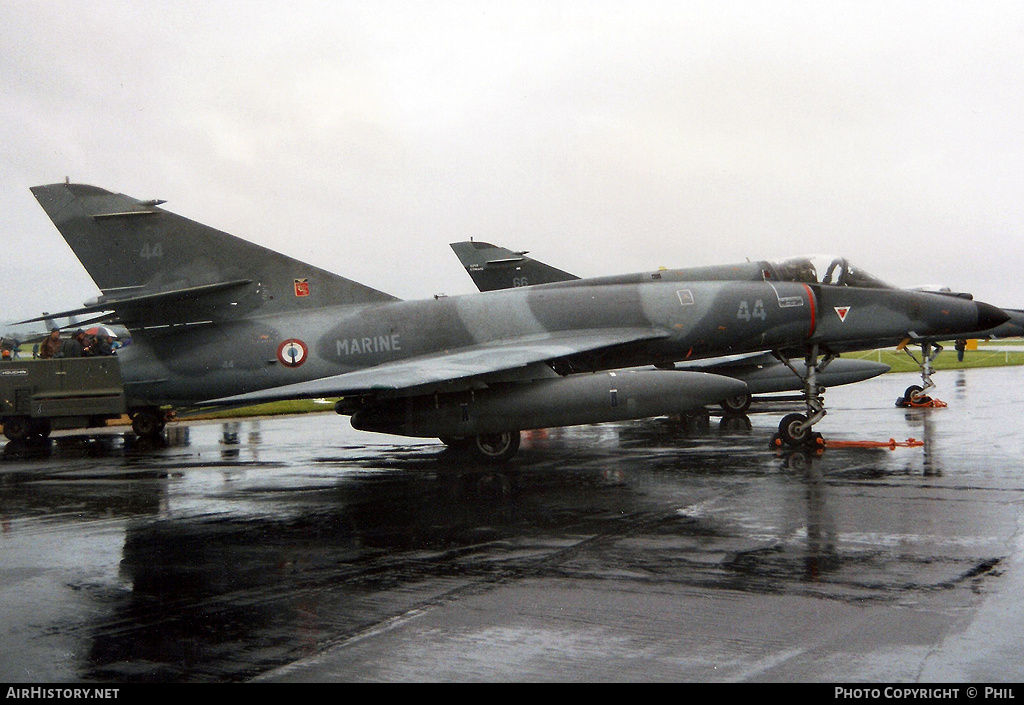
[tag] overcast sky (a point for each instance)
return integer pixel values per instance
(603, 137)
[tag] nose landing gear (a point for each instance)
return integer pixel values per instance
(795, 430)
(918, 396)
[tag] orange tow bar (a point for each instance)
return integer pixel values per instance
(891, 444)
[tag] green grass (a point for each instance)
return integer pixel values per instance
(277, 408)
(901, 362)
(1002, 343)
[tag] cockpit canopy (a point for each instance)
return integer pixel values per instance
(821, 269)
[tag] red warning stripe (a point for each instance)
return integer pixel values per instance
(814, 311)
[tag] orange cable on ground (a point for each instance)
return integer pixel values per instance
(891, 444)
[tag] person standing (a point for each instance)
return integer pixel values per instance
(75, 346)
(51, 346)
(102, 346)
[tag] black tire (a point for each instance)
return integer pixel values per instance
(496, 447)
(790, 431)
(17, 428)
(908, 395)
(737, 404)
(147, 424)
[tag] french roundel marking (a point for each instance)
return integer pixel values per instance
(292, 352)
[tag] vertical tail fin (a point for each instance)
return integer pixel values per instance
(133, 249)
(492, 267)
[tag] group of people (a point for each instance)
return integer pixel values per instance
(80, 344)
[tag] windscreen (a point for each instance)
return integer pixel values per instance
(822, 269)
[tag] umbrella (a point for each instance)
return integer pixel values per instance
(100, 330)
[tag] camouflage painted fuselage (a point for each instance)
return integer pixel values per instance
(694, 320)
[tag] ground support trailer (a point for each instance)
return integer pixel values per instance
(37, 396)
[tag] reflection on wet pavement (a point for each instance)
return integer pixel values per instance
(229, 550)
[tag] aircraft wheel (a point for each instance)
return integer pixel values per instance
(147, 424)
(790, 430)
(16, 428)
(496, 447)
(737, 404)
(908, 396)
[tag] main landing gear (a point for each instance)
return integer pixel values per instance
(917, 396)
(149, 422)
(795, 430)
(489, 447)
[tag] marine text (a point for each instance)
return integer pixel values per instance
(367, 344)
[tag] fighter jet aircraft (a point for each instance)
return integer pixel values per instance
(493, 268)
(218, 320)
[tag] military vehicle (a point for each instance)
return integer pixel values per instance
(37, 396)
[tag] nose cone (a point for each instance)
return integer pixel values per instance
(990, 316)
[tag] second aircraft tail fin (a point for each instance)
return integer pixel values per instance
(492, 267)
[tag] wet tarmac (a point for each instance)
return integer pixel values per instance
(297, 549)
